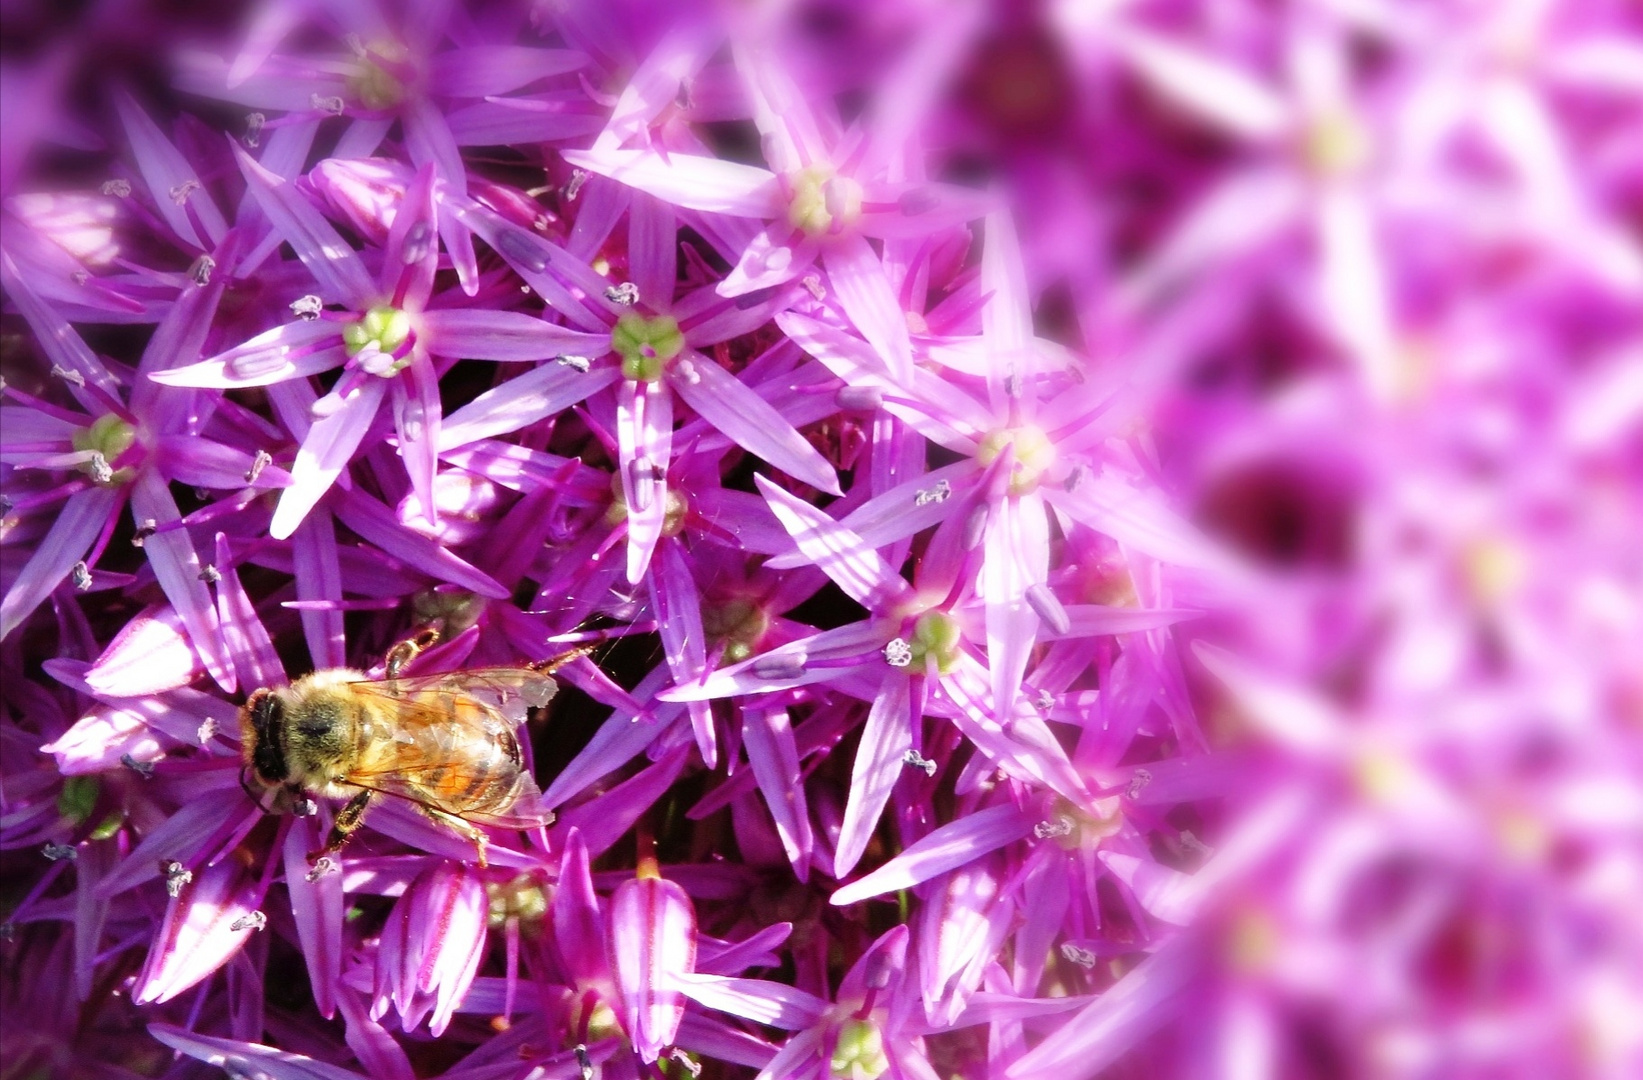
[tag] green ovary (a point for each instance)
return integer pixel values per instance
(936, 634)
(1034, 454)
(820, 200)
(385, 327)
(859, 1053)
(739, 622)
(110, 437)
(646, 345)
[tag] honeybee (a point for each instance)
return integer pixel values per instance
(445, 743)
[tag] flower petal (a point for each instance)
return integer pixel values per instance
(845, 557)
(177, 568)
(699, 183)
(480, 334)
(325, 452)
(78, 523)
(885, 740)
(767, 734)
(749, 420)
(858, 280)
(335, 265)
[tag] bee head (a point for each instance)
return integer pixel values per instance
(263, 717)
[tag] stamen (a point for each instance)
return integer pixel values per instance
(177, 877)
(686, 1062)
(918, 761)
(58, 852)
(577, 363)
(258, 464)
(578, 177)
(326, 103)
(251, 920)
(813, 283)
(626, 294)
(253, 129)
(119, 187)
(206, 731)
(1138, 780)
(307, 308)
(898, 654)
(182, 191)
(210, 574)
(939, 492)
(200, 272)
(1049, 830)
(68, 375)
(81, 576)
(322, 866)
(147, 529)
(144, 769)
(1077, 954)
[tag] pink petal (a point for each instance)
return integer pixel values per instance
(863, 290)
(749, 420)
(248, 1059)
(78, 524)
(678, 611)
(196, 937)
(845, 557)
(318, 575)
(652, 942)
(644, 432)
(699, 183)
(481, 334)
(325, 452)
(653, 249)
(767, 734)
(335, 265)
(476, 71)
(244, 636)
(522, 401)
(772, 1004)
(176, 566)
(316, 908)
(885, 739)
(165, 170)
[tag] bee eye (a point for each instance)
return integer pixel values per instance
(266, 711)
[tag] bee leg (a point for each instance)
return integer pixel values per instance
(348, 819)
(400, 656)
(467, 828)
(554, 663)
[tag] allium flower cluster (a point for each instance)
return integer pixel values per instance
(1075, 539)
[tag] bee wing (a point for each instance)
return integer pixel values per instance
(511, 691)
(419, 785)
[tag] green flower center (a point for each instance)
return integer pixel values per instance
(859, 1053)
(935, 634)
(673, 517)
(1034, 454)
(382, 330)
(521, 899)
(646, 345)
(374, 86)
(739, 622)
(107, 438)
(1336, 144)
(822, 202)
